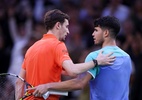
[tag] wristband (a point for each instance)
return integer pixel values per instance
(95, 62)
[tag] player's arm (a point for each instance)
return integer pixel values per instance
(65, 73)
(74, 84)
(74, 69)
(69, 85)
(19, 88)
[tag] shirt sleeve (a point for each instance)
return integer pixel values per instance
(61, 54)
(94, 71)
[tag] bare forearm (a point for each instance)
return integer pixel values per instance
(82, 67)
(19, 90)
(74, 84)
(69, 85)
(65, 86)
(75, 69)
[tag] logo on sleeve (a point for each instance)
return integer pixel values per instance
(64, 51)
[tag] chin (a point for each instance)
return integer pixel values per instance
(63, 40)
(98, 44)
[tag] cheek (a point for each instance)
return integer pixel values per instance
(64, 30)
(99, 37)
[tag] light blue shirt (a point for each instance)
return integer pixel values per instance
(110, 82)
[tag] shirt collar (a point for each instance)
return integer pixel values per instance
(45, 36)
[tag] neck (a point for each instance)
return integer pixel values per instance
(109, 42)
(54, 33)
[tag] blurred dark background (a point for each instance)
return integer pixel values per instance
(21, 24)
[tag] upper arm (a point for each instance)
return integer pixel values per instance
(68, 67)
(94, 71)
(61, 54)
(73, 84)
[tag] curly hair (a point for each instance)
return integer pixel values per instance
(108, 22)
(53, 16)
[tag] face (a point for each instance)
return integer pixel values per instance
(98, 36)
(64, 31)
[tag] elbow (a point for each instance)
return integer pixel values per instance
(71, 68)
(80, 86)
(73, 72)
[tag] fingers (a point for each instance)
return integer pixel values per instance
(109, 54)
(33, 88)
(101, 52)
(112, 57)
(110, 63)
(36, 93)
(105, 59)
(111, 60)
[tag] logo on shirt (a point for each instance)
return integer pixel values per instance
(64, 51)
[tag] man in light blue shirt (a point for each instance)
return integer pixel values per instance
(110, 82)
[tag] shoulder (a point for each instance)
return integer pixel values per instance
(123, 52)
(60, 44)
(60, 47)
(57, 44)
(92, 55)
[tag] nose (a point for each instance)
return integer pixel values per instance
(68, 31)
(93, 34)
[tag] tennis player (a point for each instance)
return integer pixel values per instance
(45, 60)
(106, 83)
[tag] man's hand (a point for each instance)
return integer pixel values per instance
(39, 90)
(105, 59)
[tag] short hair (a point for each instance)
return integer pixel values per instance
(53, 16)
(108, 22)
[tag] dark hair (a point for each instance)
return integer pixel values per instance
(108, 22)
(53, 16)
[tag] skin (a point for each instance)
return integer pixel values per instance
(64, 30)
(61, 31)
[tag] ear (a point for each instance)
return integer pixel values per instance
(106, 33)
(58, 25)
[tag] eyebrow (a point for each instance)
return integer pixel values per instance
(95, 29)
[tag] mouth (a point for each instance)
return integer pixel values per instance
(94, 38)
(65, 37)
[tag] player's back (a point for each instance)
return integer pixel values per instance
(40, 62)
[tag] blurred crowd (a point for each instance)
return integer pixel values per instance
(21, 25)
